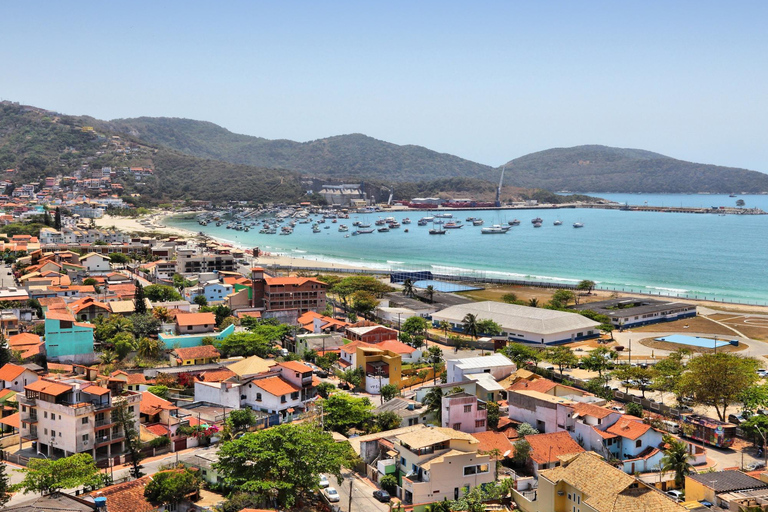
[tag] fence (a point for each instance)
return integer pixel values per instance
(14, 458)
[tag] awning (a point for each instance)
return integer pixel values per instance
(12, 420)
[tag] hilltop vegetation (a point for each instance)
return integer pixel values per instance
(607, 169)
(355, 156)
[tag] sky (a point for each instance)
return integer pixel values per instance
(488, 81)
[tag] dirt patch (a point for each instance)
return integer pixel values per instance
(696, 324)
(671, 347)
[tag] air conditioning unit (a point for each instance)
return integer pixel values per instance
(560, 493)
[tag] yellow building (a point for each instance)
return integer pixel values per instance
(713, 486)
(587, 483)
(380, 367)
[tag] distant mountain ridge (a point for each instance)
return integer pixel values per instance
(592, 168)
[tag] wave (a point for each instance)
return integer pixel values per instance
(671, 290)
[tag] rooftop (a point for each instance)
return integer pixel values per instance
(433, 435)
(547, 448)
(725, 481)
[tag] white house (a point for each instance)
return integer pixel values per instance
(95, 263)
(15, 377)
(497, 365)
(523, 323)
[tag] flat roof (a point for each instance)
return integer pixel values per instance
(631, 306)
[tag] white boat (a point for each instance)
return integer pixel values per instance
(537, 224)
(406, 220)
(537, 219)
(493, 230)
(444, 215)
(558, 223)
(514, 222)
(477, 222)
(578, 225)
(343, 228)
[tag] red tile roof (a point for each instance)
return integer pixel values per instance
(127, 497)
(158, 429)
(490, 440)
(546, 448)
(153, 404)
(59, 315)
(96, 390)
(596, 411)
(541, 385)
(216, 375)
(295, 366)
(10, 371)
(191, 319)
(629, 427)
(276, 386)
(201, 352)
(398, 347)
(48, 387)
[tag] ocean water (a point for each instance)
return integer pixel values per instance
(686, 255)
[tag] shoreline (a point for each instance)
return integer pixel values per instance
(155, 222)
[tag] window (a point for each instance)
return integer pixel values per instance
(53, 433)
(467, 408)
(470, 470)
(479, 423)
(45, 414)
(45, 431)
(258, 397)
(569, 496)
(282, 399)
(295, 396)
(85, 420)
(85, 438)
(457, 426)
(638, 443)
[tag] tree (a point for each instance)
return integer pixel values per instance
(493, 414)
(445, 325)
(325, 388)
(634, 409)
(635, 376)
(422, 375)
(389, 483)
(259, 342)
(240, 420)
(124, 416)
(496, 456)
(521, 354)
(171, 487)
(408, 288)
(488, 327)
(139, 306)
(676, 459)
(509, 298)
(599, 360)
(561, 298)
(718, 380)
(430, 291)
(562, 357)
(180, 282)
(119, 258)
(161, 391)
(586, 285)
(287, 459)
(124, 343)
(533, 303)
(607, 328)
(5, 486)
(434, 356)
(144, 324)
(364, 302)
(469, 323)
(200, 300)
(757, 426)
(667, 373)
(522, 451)
(754, 398)
(343, 411)
(349, 285)
(90, 282)
(352, 376)
(161, 293)
(149, 348)
(415, 326)
(525, 429)
(47, 476)
(387, 420)
(597, 386)
(388, 392)
(56, 225)
(434, 402)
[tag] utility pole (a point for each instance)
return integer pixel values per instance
(351, 481)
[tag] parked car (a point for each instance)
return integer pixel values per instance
(332, 494)
(706, 503)
(675, 495)
(324, 482)
(736, 419)
(382, 496)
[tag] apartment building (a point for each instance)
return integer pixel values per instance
(280, 293)
(71, 416)
(463, 411)
(189, 261)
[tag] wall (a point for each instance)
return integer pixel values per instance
(213, 393)
(193, 340)
(77, 340)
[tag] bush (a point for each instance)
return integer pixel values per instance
(159, 442)
(389, 484)
(634, 409)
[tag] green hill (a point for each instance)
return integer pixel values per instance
(606, 169)
(354, 156)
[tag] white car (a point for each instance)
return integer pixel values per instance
(332, 495)
(324, 482)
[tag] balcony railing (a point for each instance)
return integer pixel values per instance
(104, 422)
(29, 418)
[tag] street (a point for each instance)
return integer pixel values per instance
(362, 494)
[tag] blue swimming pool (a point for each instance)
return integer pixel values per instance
(442, 286)
(695, 341)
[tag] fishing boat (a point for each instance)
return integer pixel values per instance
(343, 228)
(444, 215)
(558, 223)
(406, 220)
(393, 225)
(493, 230)
(537, 224)
(478, 222)
(437, 231)
(316, 229)
(470, 219)
(422, 222)
(428, 219)
(537, 220)
(364, 226)
(514, 222)
(364, 231)
(383, 229)
(380, 222)
(578, 224)
(452, 225)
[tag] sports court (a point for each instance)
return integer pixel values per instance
(694, 341)
(444, 286)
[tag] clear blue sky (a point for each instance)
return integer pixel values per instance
(488, 81)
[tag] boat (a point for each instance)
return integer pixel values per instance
(406, 220)
(393, 225)
(406, 230)
(578, 224)
(346, 236)
(558, 223)
(470, 219)
(444, 215)
(326, 227)
(514, 222)
(380, 222)
(537, 224)
(437, 231)
(315, 229)
(452, 225)
(422, 222)
(428, 219)
(364, 226)
(364, 231)
(343, 228)
(732, 195)
(478, 222)
(493, 230)
(537, 219)
(383, 229)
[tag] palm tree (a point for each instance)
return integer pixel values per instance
(533, 303)
(161, 313)
(470, 325)
(445, 325)
(108, 356)
(434, 357)
(408, 288)
(496, 456)
(434, 402)
(676, 458)
(430, 293)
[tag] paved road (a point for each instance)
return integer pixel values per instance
(6, 278)
(362, 494)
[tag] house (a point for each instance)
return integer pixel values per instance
(438, 463)
(522, 323)
(497, 365)
(95, 263)
(730, 489)
(281, 293)
(486, 390)
(636, 444)
(204, 354)
(193, 340)
(411, 412)
(129, 497)
(15, 377)
(317, 342)
(195, 323)
(631, 312)
(65, 338)
(158, 411)
(314, 322)
(213, 291)
(126, 307)
(87, 309)
(587, 483)
(190, 262)
(547, 450)
(369, 332)
(548, 411)
(408, 354)
(380, 367)
(29, 344)
(71, 416)
(463, 411)
(130, 381)
(57, 502)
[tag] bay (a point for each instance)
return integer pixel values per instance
(685, 255)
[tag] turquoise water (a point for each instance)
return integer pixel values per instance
(687, 255)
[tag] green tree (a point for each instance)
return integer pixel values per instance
(47, 476)
(408, 290)
(522, 451)
(562, 298)
(676, 459)
(119, 258)
(757, 427)
(599, 360)
(493, 414)
(667, 373)
(123, 343)
(161, 293)
(430, 292)
(415, 326)
(434, 356)
(149, 348)
(56, 225)
(140, 307)
(288, 458)
(144, 324)
(422, 375)
(525, 429)
(5, 486)
(241, 420)
(562, 357)
(586, 285)
(509, 298)
(469, 323)
(634, 409)
(259, 342)
(389, 484)
(434, 402)
(171, 487)
(533, 303)
(598, 387)
(124, 416)
(754, 398)
(521, 354)
(488, 327)
(388, 392)
(364, 302)
(180, 282)
(352, 376)
(718, 380)
(387, 420)
(343, 411)
(325, 388)
(445, 325)
(161, 391)
(635, 376)
(200, 300)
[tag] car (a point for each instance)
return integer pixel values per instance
(382, 496)
(675, 495)
(321, 373)
(332, 494)
(706, 503)
(324, 482)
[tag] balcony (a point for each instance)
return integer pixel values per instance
(105, 440)
(29, 418)
(105, 422)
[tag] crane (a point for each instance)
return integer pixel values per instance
(498, 190)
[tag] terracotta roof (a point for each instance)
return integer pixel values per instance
(201, 352)
(49, 388)
(127, 497)
(398, 347)
(192, 319)
(216, 375)
(153, 404)
(295, 366)
(604, 435)
(276, 386)
(96, 390)
(540, 385)
(59, 315)
(351, 347)
(596, 411)
(12, 420)
(10, 371)
(24, 338)
(490, 440)
(546, 448)
(158, 429)
(60, 367)
(286, 281)
(253, 314)
(49, 301)
(629, 427)
(85, 302)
